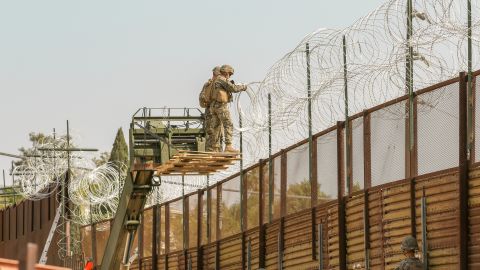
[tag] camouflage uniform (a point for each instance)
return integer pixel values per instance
(210, 137)
(410, 264)
(209, 146)
(408, 247)
(222, 93)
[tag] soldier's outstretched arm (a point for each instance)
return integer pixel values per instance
(230, 87)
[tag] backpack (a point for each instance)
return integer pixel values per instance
(205, 96)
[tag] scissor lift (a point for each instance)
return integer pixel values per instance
(162, 141)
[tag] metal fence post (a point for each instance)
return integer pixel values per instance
(320, 246)
(155, 236)
(342, 243)
(463, 174)
(366, 228)
(367, 158)
(249, 254)
(270, 161)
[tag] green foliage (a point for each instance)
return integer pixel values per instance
(119, 151)
(356, 186)
(9, 197)
(102, 159)
(35, 139)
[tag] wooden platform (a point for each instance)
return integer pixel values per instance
(195, 163)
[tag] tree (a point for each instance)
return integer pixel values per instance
(119, 153)
(103, 158)
(9, 197)
(36, 139)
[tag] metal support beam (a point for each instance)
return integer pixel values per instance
(11, 155)
(367, 157)
(261, 189)
(470, 97)
(283, 183)
(217, 255)
(209, 211)
(348, 142)
(463, 175)
(409, 70)
(366, 228)
(270, 162)
(243, 199)
(155, 236)
(342, 241)
(310, 128)
(314, 234)
(413, 207)
(249, 254)
(280, 246)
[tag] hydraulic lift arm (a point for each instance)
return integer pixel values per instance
(122, 233)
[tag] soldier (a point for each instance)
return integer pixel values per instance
(222, 95)
(206, 98)
(409, 246)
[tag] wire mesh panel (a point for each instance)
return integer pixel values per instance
(204, 218)
(192, 220)
(438, 124)
(277, 174)
(161, 241)
(147, 232)
(298, 179)
(327, 167)
(230, 207)
(388, 144)
(253, 197)
(176, 225)
(266, 195)
(213, 214)
(357, 154)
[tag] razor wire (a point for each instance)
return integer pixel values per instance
(376, 58)
(376, 61)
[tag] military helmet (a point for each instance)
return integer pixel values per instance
(227, 69)
(409, 243)
(216, 70)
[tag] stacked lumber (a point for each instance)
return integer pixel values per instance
(194, 163)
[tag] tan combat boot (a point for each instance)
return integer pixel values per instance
(229, 148)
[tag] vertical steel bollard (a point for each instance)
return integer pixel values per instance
(365, 240)
(424, 232)
(249, 254)
(280, 252)
(320, 246)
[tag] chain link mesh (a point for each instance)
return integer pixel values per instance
(388, 143)
(438, 125)
(327, 166)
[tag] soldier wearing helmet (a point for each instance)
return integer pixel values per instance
(206, 98)
(223, 89)
(409, 247)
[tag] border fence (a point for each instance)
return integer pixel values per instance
(369, 187)
(273, 215)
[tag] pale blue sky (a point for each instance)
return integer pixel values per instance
(95, 62)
